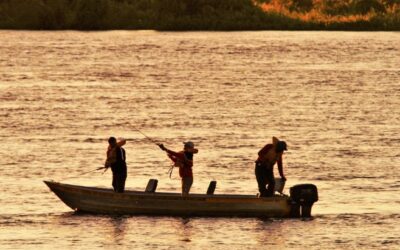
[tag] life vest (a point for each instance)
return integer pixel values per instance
(115, 155)
(183, 162)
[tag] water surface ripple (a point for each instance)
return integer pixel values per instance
(333, 96)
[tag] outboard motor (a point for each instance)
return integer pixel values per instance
(303, 196)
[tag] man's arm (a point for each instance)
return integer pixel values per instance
(111, 158)
(280, 168)
(170, 152)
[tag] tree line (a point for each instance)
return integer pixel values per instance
(200, 14)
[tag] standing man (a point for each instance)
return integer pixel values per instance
(267, 157)
(183, 160)
(116, 160)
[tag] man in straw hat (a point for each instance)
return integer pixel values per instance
(183, 160)
(267, 157)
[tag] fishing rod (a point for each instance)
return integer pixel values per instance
(147, 137)
(158, 144)
(105, 168)
(91, 171)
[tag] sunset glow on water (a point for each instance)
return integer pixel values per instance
(334, 97)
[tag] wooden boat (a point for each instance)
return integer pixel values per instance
(149, 202)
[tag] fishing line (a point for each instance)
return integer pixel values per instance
(158, 144)
(105, 169)
(91, 171)
(147, 137)
(170, 170)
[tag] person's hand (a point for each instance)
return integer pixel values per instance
(162, 146)
(283, 178)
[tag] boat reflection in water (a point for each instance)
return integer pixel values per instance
(150, 202)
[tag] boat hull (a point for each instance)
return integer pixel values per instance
(105, 201)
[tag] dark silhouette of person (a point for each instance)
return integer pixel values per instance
(116, 160)
(264, 170)
(183, 160)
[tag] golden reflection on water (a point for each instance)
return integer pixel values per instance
(121, 228)
(333, 96)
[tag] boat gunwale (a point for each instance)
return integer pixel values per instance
(91, 200)
(163, 195)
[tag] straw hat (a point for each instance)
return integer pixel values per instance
(189, 146)
(279, 146)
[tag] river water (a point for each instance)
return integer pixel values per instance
(334, 97)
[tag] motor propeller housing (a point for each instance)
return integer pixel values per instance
(303, 197)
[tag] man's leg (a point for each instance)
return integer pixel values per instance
(122, 180)
(114, 180)
(186, 185)
(260, 176)
(119, 178)
(271, 182)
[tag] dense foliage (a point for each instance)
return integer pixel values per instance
(201, 14)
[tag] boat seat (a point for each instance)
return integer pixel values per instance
(151, 186)
(211, 187)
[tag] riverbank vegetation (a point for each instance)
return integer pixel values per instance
(201, 14)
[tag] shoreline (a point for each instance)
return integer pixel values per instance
(196, 15)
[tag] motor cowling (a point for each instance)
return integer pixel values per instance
(303, 196)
